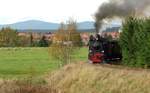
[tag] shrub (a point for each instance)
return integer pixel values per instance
(135, 42)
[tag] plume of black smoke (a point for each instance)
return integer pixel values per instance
(119, 8)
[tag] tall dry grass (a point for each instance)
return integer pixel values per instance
(90, 78)
(83, 78)
(24, 86)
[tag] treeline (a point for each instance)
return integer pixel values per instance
(10, 38)
(135, 42)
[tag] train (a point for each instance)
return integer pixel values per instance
(103, 50)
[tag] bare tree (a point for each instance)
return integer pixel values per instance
(65, 41)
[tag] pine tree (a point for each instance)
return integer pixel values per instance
(135, 42)
(146, 43)
(126, 40)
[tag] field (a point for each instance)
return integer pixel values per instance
(77, 77)
(82, 77)
(18, 62)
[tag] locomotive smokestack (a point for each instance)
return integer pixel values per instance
(119, 8)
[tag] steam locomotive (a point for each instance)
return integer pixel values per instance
(102, 50)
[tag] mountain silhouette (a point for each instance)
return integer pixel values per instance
(42, 25)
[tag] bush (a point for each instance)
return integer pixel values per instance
(8, 37)
(135, 42)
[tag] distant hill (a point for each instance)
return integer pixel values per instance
(32, 24)
(50, 30)
(36, 25)
(86, 25)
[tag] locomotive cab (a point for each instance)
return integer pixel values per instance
(112, 51)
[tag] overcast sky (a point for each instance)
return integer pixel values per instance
(47, 10)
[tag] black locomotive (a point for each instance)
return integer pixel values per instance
(103, 50)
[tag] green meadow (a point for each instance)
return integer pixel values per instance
(20, 62)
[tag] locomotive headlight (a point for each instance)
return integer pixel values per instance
(90, 51)
(102, 51)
